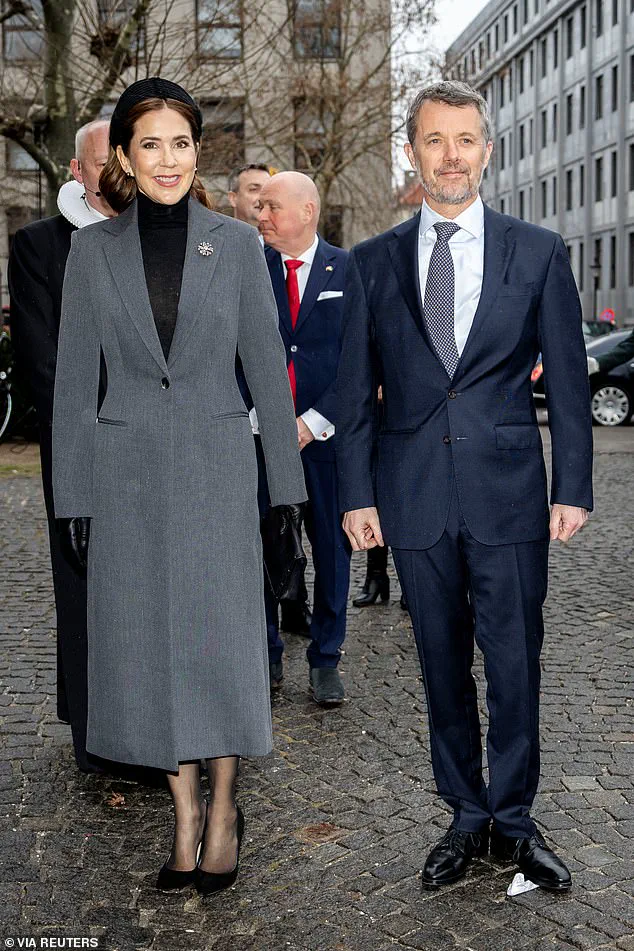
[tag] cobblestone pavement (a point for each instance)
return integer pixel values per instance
(341, 816)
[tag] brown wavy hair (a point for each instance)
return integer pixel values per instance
(120, 189)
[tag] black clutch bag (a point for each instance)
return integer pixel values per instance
(284, 558)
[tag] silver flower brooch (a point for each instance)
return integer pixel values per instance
(205, 248)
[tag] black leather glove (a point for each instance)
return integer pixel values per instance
(79, 536)
(294, 512)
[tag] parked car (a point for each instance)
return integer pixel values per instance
(596, 328)
(612, 393)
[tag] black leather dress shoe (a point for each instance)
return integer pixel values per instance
(328, 689)
(296, 617)
(448, 861)
(535, 860)
(276, 675)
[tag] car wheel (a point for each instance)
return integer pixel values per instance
(611, 405)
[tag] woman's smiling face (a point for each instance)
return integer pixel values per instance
(162, 155)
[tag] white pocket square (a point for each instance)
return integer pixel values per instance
(326, 295)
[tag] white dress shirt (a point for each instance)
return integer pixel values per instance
(467, 251)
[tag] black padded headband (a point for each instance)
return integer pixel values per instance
(154, 88)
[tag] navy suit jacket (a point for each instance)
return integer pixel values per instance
(478, 429)
(316, 337)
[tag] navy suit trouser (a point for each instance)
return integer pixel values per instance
(331, 561)
(457, 590)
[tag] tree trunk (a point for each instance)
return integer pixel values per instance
(58, 93)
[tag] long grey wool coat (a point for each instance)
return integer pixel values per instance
(166, 470)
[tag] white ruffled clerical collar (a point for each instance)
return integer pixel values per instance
(72, 203)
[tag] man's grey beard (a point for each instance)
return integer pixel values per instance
(435, 191)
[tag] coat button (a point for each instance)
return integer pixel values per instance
(452, 394)
(165, 383)
(294, 349)
(446, 440)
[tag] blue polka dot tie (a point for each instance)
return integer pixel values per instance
(440, 291)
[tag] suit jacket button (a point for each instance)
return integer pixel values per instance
(452, 394)
(294, 349)
(165, 383)
(446, 440)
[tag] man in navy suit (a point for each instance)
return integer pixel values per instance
(449, 311)
(308, 279)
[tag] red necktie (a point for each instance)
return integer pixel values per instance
(292, 290)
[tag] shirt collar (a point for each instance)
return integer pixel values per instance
(470, 220)
(307, 257)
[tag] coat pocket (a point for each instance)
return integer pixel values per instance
(111, 422)
(518, 436)
(228, 415)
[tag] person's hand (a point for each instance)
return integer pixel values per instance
(363, 529)
(79, 536)
(304, 435)
(593, 365)
(565, 521)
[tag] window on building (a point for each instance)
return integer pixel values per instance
(313, 133)
(502, 206)
(536, 7)
(18, 160)
(612, 261)
(615, 12)
(582, 107)
(531, 127)
(531, 67)
(555, 49)
(598, 16)
(473, 62)
(530, 203)
(598, 179)
(581, 266)
(520, 74)
(554, 194)
(510, 85)
(555, 122)
(582, 27)
(544, 186)
(22, 41)
(514, 19)
(632, 77)
(544, 138)
(488, 41)
(631, 168)
(598, 256)
(219, 29)
(510, 149)
(582, 185)
(630, 259)
(497, 37)
(521, 204)
(614, 170)
(501, 87)
(316, 29)
(524, 12)
(480, 55)
(521, 143)
(615, 88)
(569, 250)
(569, 113)
(569, 190)
(570, 33)
(222, 146)
(598, 97)
(502, 153)
(544, 56)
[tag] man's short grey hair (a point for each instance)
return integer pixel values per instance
(83, 131)
(233, 182)
(453, 93)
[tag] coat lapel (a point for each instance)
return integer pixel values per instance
(498, 247)
(403, 249)
(198, 270)
(126, 263)
(317, 281)
(276, 270)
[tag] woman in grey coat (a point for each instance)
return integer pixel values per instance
(162, 476)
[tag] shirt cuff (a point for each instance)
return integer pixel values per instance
(253, 419)
(593, 365)
(321, 428)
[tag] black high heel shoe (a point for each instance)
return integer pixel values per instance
(209, 882)
(373, 587)
(172, 879)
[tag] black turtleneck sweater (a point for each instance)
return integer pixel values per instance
(163, 233)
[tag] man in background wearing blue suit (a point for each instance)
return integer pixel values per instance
(449, 311)
(307, 275)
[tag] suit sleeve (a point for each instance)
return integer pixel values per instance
(76, 392)
(261, 351)
(356, 394)
(566, 384)
(33, 323)
(621, 354)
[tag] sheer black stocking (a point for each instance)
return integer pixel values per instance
(189, 812)
(219, 852)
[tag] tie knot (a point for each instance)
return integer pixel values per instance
(445, 229)
(293, 265)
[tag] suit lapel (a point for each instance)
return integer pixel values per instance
(317, 280)
(126, 263)
(498, 247)
(403, 249)
(198, 271)
(276, 270)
